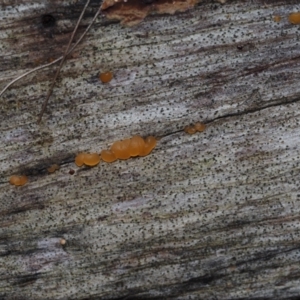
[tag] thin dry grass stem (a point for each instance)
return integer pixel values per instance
(53, 62)
(29, 72)
(61, 63)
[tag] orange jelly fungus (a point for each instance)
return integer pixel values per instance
(294, 18)
(108, 156)
(79, 159)
(92, 159)
(53, 168)
(121, 149)
(150, 143)
(277, 18)
(200, 126)
(18, 180)
(136, 146)
(106, 77)
(190, 129)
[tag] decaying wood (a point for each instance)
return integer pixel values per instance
(213, 215)
(67, 50)
(132, 12)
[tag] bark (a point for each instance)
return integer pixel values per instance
(214, 215)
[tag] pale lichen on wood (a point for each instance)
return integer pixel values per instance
(207, 216)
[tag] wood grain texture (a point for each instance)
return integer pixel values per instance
(213, 215)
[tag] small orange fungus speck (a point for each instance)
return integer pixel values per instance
(150, 143)
(137, 145)
(18, 180)
(277, 18)
(294, 18)
(108, 156)
(79, 159)
(62, 242)
(200, 126)
(106, 77)
(194, 128)
(190, 129)
(53, 168)
(92, 159)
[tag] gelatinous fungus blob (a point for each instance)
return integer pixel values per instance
(190, 129)
(150, 143)
(18, 180)
(294, 18)
(124, 149)
(91, 159)
(121, 149)
(108, 156)
(79, 159)
(53, 168)
(106, 77)
(200, 126)
(137, 145)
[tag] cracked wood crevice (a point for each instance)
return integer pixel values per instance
(212, 215)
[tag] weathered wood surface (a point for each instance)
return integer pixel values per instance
(207, 216)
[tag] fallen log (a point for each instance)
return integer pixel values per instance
(212, 215)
